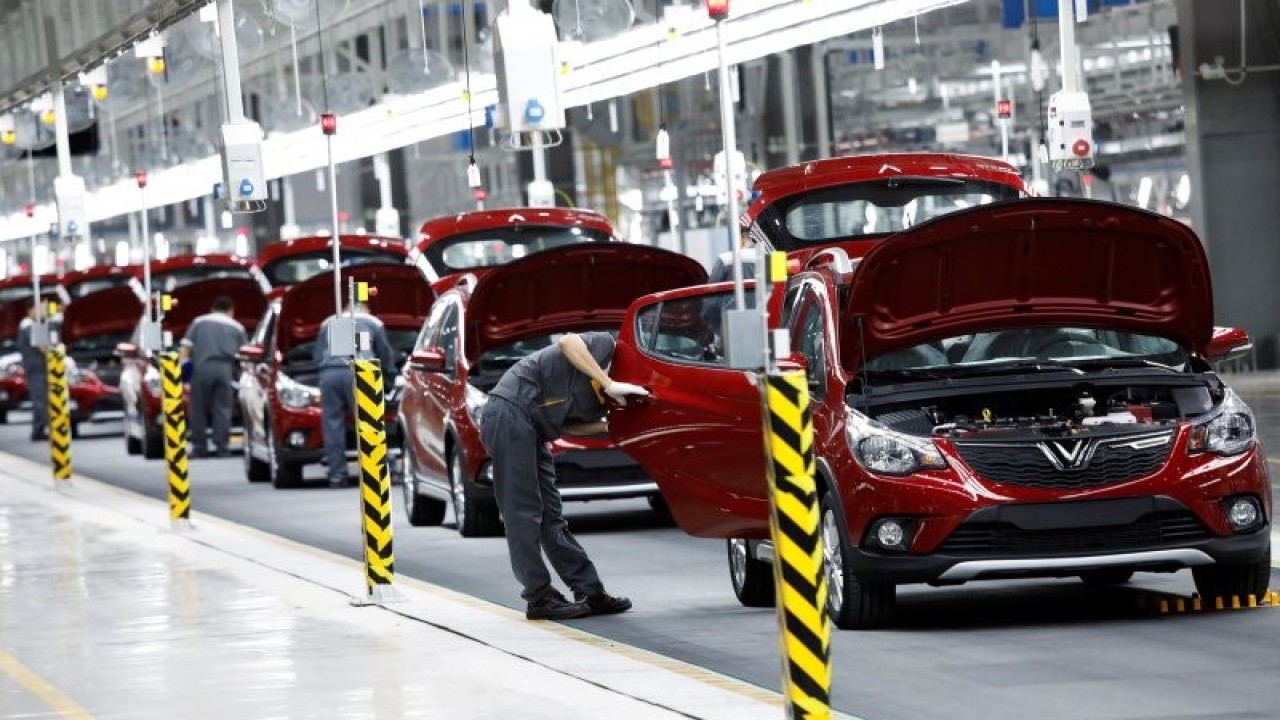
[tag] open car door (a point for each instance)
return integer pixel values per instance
(700, 436)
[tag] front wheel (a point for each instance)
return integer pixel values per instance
(152, 442)
(852, 602)
(752, 579)
(283, 475)
(1239, 581)
(255, 470)
(476, 516)
(422, 511)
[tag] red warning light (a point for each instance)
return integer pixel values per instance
(343, 216)
(717, 9)
(141, 177)
(479, 194)
(328, 123)
(1004, 109)
(1080, 147)
(31, 211)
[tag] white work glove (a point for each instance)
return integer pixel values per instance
(620, 390)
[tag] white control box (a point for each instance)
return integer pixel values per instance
(73, 206)
(1070, 131)
(527, 60)
(246, 180)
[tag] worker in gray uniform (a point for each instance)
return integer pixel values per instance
(211, 344)
(36, 371)
(529, 407)
(337, 397)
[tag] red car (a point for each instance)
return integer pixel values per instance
(278, 397)
(1016, 390)
(15, 293)
(140, 389)
(289, 262)
(93, 327)
(479, 329)
(473, 242)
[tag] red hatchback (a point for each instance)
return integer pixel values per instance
(1017, 390)
(92, 329)
(140, 390)
(479, 329)
(289, 262)
(15, 294)
(278, 396)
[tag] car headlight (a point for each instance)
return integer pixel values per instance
(884, 451)
(475, 401)
(294, 394)
(1228, 430)
(13, 369)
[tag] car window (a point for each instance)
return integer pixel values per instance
(300, 267)
(499, 246)
(810, 341)
(449, 337)
(686, 330)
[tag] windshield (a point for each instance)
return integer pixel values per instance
(101, 345)
(1022, 346)
(170, 280)
(293, 269)
(500, 246)
(300, 365)
(84, 287)
(873, 207)
(15, 293)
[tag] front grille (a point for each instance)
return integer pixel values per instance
(1168, 527)
(1029, 464)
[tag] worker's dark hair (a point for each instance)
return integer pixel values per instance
(222, 303)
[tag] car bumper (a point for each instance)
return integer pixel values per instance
(301, 439)
(591, 474)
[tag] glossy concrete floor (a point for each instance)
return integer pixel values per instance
(106, 613)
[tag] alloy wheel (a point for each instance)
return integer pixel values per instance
(459, 492)
(833, 561)
(738, 561)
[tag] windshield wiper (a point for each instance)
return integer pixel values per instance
(906, 374)
(1015, 366)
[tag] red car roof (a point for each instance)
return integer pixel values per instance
(449, 225)
(295, 246)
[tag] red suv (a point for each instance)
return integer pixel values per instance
(140, 390)
(1017, 390)
(278, 396)
(479, 329)
(473, 242)
(289, 262)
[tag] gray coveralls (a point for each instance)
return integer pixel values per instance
(37, 372)
(527, 409)
(337, 397)
(214, 339)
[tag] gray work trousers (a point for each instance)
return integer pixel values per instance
(211, 399)
(336, 400)
(524, 481)
(37, 375)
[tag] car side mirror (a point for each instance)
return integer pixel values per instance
(428, 359)
(1228, 344)
(126, 350)
(251, 353)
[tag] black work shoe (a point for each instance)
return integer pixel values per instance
(605, 604)
(554, 606)
(337, 481)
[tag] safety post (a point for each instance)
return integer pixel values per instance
(59, 413)
(794, 526)
(375, 478)
(175, 440)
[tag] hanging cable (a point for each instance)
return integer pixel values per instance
(473, 175)
(324, 72)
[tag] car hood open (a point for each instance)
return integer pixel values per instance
(193, 300)
(105, 312)
(571, 288)
(402, 300)
(1061, 262)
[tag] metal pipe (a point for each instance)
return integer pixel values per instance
(35, 272)
(230, 60)
(61, 135)
(821, 101)
(1067, 43)
(790, 85)
(728, 136)
(337, 235)
(148, 312)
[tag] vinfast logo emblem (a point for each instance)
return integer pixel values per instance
(1068, 454)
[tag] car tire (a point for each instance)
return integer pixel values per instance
(283, 475)
(153, 443)
(1240, 580)
(1106, 578)
(422, 511)
(852, 602)
(75, 430)
(132, 445)
(4, 416)
(255, 470)
(476, 516)
(752, 579)
(660, 508)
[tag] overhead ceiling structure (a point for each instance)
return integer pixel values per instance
(666, 44)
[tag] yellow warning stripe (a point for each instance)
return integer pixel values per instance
(59, 415)
(64, 706)
(375, 481)
(175, 436)
(794, 523)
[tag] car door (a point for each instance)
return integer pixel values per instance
(415, 403)
(256, 381)
(700, 436)
(438, 390)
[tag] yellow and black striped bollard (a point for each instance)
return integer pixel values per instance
(794, 524)
(175, 439)
(375, 481)
(59, 414)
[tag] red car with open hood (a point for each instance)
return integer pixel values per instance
(479, 329)
(15, 294)
(278, 396)
(1021, 389)
(286, 263)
